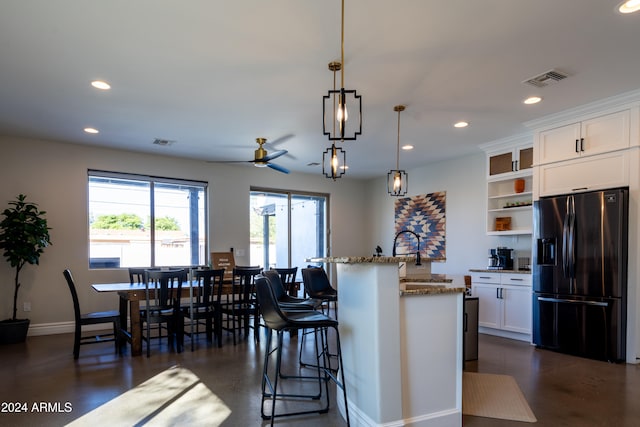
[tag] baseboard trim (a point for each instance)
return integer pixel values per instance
(59, 328)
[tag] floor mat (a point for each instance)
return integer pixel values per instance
(494, 396)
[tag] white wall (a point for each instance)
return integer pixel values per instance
(464, 181)
(54, 175)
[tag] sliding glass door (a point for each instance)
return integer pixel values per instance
(287, 227)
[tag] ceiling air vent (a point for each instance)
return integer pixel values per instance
(163, 142)
(545, 79)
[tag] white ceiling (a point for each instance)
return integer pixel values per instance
(214, 75)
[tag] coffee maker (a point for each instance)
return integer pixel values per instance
(500, 258)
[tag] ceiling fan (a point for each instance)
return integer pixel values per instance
(261, 157)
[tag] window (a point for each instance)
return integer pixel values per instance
(287, 228)
(142, 221)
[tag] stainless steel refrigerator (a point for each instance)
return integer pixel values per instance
(580, 273)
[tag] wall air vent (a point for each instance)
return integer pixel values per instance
(163, 142)
(547, 78)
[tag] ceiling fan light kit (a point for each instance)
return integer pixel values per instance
(262, 158)
(397, 179)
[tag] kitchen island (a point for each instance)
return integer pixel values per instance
(401, 342)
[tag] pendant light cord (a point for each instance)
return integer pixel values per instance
(398, 146)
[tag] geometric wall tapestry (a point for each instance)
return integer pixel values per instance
(425, 216)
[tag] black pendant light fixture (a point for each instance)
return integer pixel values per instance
(334, 159)
(334, 162)
(397, 179)
(343, 123)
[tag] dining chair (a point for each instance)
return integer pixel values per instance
(136, 275)
(240, 304)
(277, 320)
(288, 278)
(93, 318)
(204, 305)
(163, 289)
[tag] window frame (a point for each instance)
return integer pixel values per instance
(292, 193)
(152, 180)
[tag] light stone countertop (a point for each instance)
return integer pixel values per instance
(372, 259)
(485, 270)
(431, 289)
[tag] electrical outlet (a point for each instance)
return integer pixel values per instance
(240, 252)
(26, 306)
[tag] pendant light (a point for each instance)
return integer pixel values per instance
(334, 159)
(397, 179)
(335, 121)
(334, 162)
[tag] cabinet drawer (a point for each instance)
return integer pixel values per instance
(485, 278)
(515, 279)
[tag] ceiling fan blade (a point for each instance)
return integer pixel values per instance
(274, 155)
(279, 140)
(278, 168)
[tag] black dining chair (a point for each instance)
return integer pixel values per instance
(240, 305)
(205, 305)
(277, 320)
(163, 291)
(93, 318)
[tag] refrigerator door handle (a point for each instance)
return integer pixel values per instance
(573, 301)
(572, 239)
(568, 240)
(565, 242)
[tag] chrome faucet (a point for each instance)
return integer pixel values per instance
(395, 239)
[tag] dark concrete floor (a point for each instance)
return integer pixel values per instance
(561, 390)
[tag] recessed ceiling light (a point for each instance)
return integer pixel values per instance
(532, 100)
(407, 147)
(629, 6)
(91, 130)
(99, 84)
(461, 125)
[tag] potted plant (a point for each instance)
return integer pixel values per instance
(23, 236)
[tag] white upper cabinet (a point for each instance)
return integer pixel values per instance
(509, 186)
(589, 137)
(510, 161)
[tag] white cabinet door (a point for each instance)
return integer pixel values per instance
(506, 163)
(558, 144)
(516, 308)
(590, 137)
(585, 174)
(488, 304)
(606, 133)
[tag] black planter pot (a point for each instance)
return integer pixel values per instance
(13, 331)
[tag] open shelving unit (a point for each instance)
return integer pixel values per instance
(504, 202)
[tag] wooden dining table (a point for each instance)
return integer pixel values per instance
(130, 297)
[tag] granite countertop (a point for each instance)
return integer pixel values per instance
(485, 270)
(434, 278)
(432, 289)
(371, 259)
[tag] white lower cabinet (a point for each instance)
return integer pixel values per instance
(504, 304)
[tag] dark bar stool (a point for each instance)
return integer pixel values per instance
(318, 287)
(276, 320)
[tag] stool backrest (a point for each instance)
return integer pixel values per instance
(276, 283)
(315, 280)
(273, 317)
